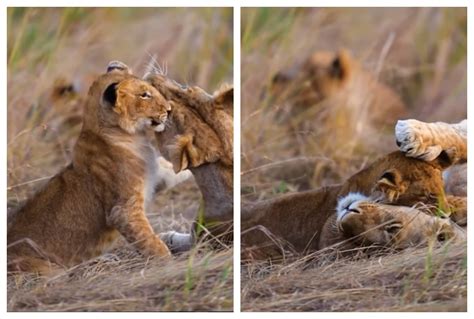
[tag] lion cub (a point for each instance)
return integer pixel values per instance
(338, 80)
(105, 190)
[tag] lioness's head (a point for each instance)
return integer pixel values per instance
(372, 223)
(125, 102)
(201, 125)
(323, 74)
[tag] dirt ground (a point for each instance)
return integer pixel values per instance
(421, 54)
(43, 126)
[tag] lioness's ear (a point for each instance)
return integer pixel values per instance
(117, 66)
(225, 98)
(109, 97)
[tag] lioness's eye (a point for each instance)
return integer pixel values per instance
(145, 95)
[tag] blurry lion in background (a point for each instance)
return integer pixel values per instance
(337, 81)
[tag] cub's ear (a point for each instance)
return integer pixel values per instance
(390, 178)
(281, 77)
(390, 184)
(341, 66)
(109, 96)
(446, 158)
(119, 67)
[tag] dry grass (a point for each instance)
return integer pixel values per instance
(426, 64)
(39, 52)
(123, 281)
(417, 279)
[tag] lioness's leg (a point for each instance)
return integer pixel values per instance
(458, 207)
(427, 140)
(131, 222)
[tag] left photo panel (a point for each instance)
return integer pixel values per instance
(120, 159)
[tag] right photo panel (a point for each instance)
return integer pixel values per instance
(354, 159)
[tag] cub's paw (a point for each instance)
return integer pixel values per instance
(177, 242)
(167, 178)
(415, 139)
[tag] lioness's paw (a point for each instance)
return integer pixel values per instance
(415, 140)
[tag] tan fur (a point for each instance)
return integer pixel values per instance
(427, 140)
(104, 191)
(455, 180)
(337, 80)
(304, 222)
(200, 137)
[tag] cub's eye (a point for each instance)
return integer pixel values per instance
(145, 95)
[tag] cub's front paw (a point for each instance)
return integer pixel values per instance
(415, 139)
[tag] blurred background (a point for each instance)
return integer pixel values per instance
(54, 54)
(420, 53)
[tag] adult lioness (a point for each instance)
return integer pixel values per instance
(105, 190)
(339, 81)
(199, 136)
(303, 222)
